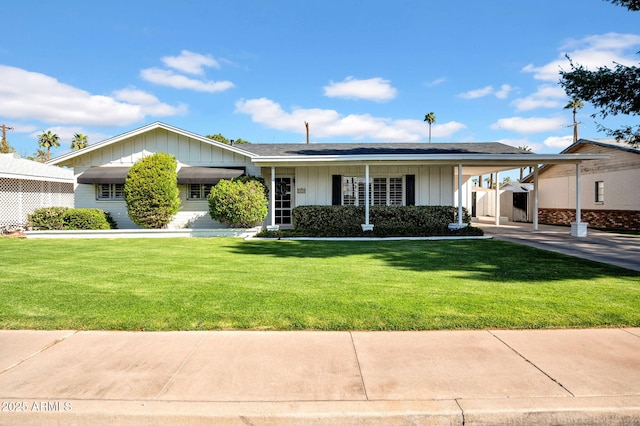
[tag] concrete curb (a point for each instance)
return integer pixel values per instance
(529, 411)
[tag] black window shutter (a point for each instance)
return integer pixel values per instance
(336, 190)
(410, 189)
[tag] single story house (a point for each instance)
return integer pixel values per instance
(27, 185)
(609, 198)
(298, 174)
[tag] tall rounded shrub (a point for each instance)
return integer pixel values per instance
(151, 191)
(238, 202)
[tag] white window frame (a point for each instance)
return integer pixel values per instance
(200, 190)
(113, 191)
(353, 191)
(599, 192)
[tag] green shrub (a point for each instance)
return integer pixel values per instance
(91, 219)
(47, 219)
(151, 191)
(65, 218)
(409, 221)
(238, 202)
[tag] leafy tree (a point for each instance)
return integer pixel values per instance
(5, 148)
(48, 140)
(218, 137)
(633, 5)
(79, 141)
(611, 90)
(430, 118)
(238, 202)
(151, 191)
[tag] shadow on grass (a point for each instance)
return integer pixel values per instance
(490, 260)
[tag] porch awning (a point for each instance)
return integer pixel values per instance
(206, 175)
(104, 175)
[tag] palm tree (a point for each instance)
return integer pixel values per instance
(574, 104)
(40, 156)
(79, 141)
(527, 149)
(48, 140)
(430, 118)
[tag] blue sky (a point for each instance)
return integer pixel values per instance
(356, 70)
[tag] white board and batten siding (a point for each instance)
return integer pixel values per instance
(187, 151)
(434, 184)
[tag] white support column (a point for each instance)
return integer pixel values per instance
(272, 201)
(367, 196)
(497, 201)
(535, 199)
(578, 197)
(459, 224)
(578, 228)
(460, 195)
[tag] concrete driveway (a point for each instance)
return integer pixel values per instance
(616, 249)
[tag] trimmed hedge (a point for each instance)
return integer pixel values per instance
(397, 221)
(65, 218)
(238, 202)
(151, 191)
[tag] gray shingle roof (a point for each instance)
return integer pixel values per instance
(345, 149)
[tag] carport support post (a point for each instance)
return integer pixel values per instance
(366, 226)
(578, 228)
(459, 225)
(535, 197)
(497, 184)
(272, 201)
(460, 195)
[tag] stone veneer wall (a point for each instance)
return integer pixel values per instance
(604, 219)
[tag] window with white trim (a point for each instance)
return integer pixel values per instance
(599, 191)
(384, 191)
(110, 191)
(198, 191)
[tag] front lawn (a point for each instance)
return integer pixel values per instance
(217, 283)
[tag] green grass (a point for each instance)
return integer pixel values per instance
(190, 284)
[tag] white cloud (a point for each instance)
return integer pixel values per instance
(177, 81)
(477, 93)
(373, 89)
(329, 123)
(528, 125)
(35, 96)
(504, 91)
(190, 62)
(547, 96)
(436, 82)
(558, 142)
(149, 104)
(592, 52)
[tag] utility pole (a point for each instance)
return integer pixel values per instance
(4, 147)
(307, 126)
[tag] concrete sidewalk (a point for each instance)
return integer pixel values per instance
(607, 247)
(267, 378)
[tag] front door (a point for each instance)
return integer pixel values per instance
(283, 200)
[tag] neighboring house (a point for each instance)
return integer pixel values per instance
(27, 185)
(609, 195)
(298, 174)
